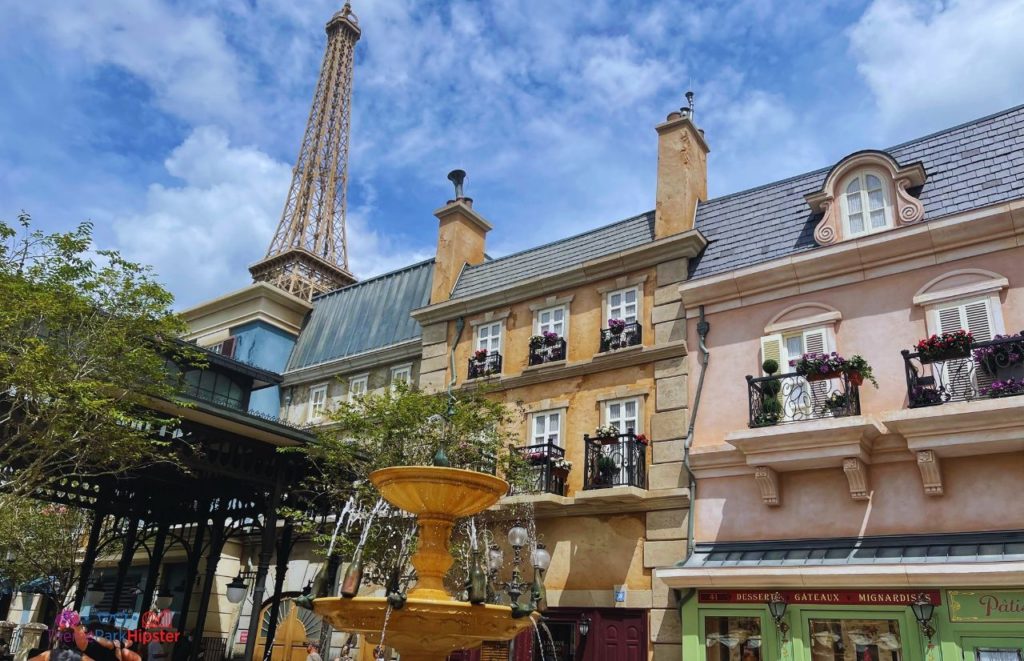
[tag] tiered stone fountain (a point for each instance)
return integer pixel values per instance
(432, 624)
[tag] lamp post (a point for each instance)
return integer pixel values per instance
(777, 608)
(495, 559)
(541, 562)
(923, 610)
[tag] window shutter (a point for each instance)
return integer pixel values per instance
(951, 319)
(771, 349)
(815, 341)
(978, 320)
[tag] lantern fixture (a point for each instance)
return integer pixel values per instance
(236, 589)
(583, 625)
(777, 608)
(517, 537)
(923, 610)
(541, 557)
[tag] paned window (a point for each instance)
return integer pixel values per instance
(624, 414)
(857, 639)
(317, 401)
(733, 638)
(488, 336)
(624, 304)
(865, 205)
(401, 374)
(547, 428)
(551, 320)
(801, 397)
(357, 385)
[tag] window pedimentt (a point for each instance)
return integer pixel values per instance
(907, 209)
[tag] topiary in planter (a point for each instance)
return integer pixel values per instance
(771, 407)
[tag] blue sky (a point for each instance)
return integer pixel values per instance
(173, 125)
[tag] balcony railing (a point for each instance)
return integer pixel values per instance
(630, 336)
(783, 398)
(547, 353)
(488, 365)
(614, 461)
(544, 475)
(992, 369)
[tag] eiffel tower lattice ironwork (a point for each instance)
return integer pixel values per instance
(308, 254)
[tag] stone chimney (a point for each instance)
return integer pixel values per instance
(461, 238)
(682, 172)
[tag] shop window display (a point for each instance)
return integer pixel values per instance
(855, 640)
(733, 638)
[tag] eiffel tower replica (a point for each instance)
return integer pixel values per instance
(308, 254)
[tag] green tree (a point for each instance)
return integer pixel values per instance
(39, 544)
(84, 339)
(402, 426)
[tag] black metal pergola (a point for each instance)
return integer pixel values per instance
(231, 481)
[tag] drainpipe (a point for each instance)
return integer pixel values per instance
(702, 331)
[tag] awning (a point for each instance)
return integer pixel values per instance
(41, 585)
(946, 560)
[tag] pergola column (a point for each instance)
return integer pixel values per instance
(212, 559)
(190, 576)
(266, 553)
(156, 557)
(127, 553)
(284, 550)
(85, 571)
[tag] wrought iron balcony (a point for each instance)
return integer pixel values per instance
(790, 397)
(990, 369)
(485, 366)
(545, 474)
(629, 336)
(547, 353)
(615, 461)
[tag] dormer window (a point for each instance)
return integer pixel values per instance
(865, 204)
(864, 193)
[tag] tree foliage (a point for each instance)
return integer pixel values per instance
(84, 338)
(403, 426)
(39, 543)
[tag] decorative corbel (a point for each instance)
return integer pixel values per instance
(827, 230)
(857, 475)
(931, 472)
(909, 208)
(768, 482)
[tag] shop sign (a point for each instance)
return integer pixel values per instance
(986, 606)
(820, 597)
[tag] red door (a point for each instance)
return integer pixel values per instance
(620, 636)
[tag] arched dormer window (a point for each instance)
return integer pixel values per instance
(865, 204)
(864, 193)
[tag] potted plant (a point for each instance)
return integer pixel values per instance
(771, 408)
(837, 404)
(607, 468)
(536, 342)
(947, 346)
(550, 339)
(1007, 388)
(616, 326)
(606, 432)
(1004, 360)
(857, 370)
(641, 439)
(819, 366)
(921, 396)
(480, 355)
(561, 466)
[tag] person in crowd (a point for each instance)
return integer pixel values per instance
(313, 651)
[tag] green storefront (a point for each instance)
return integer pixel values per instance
(854, 599)
(853, 625)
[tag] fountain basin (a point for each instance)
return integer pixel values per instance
(435, 491)
(424, 628)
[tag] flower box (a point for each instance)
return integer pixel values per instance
(822, 376)
(948, 346)
(941, 356)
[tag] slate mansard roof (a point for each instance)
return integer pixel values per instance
(968, 166)
(368, 315)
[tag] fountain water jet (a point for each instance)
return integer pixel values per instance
(432, 623)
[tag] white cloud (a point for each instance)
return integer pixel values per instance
(931, 65)
(200, 235)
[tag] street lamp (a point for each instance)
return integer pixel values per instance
(923, 610)
(541, 562)
(777, 608)
(236, 589)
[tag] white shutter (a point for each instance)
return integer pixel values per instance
(951, 319)
(815, 341)
(961, 377)
(978, 320)
(771, 349)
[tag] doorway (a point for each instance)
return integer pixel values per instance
(295, 626)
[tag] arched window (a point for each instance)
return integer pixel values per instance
(865, 203)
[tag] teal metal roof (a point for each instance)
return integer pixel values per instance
(368, 315)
